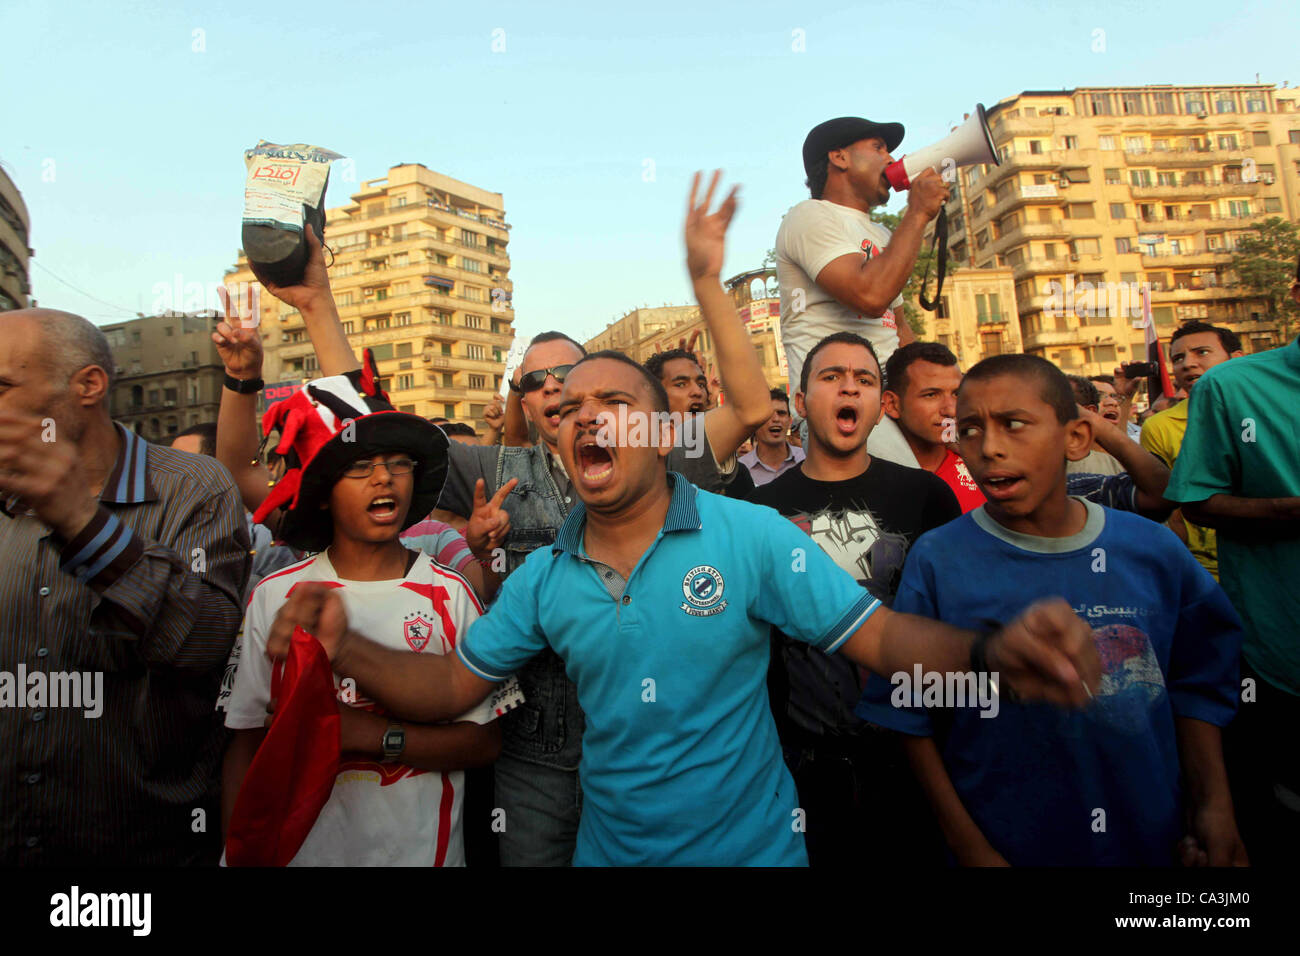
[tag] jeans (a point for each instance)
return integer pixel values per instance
(542, 808)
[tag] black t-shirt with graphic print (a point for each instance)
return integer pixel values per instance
(866, 524)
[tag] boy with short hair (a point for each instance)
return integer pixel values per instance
(361, 474)
(1016, 783)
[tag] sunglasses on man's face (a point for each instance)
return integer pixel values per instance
(535, 379)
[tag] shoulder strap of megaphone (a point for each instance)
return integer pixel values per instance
(941, 240)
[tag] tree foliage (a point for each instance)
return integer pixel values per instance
(911, 290)
(1265, 263)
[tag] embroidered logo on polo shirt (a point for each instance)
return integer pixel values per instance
(703, 589)
(417, 631)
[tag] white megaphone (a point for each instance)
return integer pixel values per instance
(969, 144)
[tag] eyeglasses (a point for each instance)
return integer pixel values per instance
(535, 379)
(362, 469)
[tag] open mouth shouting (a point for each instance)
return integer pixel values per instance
(552, 414)
(1001, 485)
(383, 510)
(595, 463)
(846, 419)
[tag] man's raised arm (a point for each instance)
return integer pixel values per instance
(748, 404)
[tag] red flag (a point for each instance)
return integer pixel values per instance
(1155, 354)
(292, 773)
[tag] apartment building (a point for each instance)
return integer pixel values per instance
(169, 375)
(642, 332)
(14, 251)
(420, 275)
(1102, 189)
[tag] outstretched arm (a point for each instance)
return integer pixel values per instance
(748, 405)
(315, 301)
(1149, 473)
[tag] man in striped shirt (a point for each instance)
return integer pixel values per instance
(123, 567)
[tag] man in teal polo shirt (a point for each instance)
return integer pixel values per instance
(1239, 473)
(659, 598)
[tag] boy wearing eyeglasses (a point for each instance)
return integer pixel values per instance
(362, 473)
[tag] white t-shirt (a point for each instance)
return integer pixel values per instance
(812, 235)
(379, 814)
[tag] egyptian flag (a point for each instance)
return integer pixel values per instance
(292, 775)
(1155, 354)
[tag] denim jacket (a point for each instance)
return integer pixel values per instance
(547, 728)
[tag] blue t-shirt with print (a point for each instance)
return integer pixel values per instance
(1100, 786)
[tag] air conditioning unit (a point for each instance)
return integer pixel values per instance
(169, 404)
(1074, 257)
(1202, 114)
(1065, 183)
(426, 357)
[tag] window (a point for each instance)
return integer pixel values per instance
(1087, 247)
(1193, 103)
(442, 318)
(448, 411)
(1139, 177)
(1256, 106)
(402, 318)
(1272, 204)
(1225, 103)
(1239, 209)
(345, 298)
(381, 323)
(1131, 104)
(471, 265)
(1266, 172)
(1077, 175)
(1166, 179)
(474, 351)
(169, 395)
(1106, 142)
(1049, 250)
(991, 343)
(1113, 177)
(478, 381)
(1162, 103)
(468, 237)
(1293, 136)
(476, 411)
(399, 202)
(987, 308)
(403, 349)
(1228, 141)
(1232, 174)
(1036, 147)
(1080, 210)
(1070, 142)
(473, 321)
(977, 207)
(1101, 104)
(154, 398)
(1123, 244)
(473, 293)
(401, 260)
(382, 352)
(1134, 144)
(1163, 314)
(446, 348)
(1103, 353)
(349, 328)
(309, 364)
(405, 382)
(381, 294)
(408, 409)
(1259, 138)
(168, 330)
(1194, 177)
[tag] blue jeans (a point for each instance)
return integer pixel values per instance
(542, 808)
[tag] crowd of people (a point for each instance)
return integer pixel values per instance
(890, 609)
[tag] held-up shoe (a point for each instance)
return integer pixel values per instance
(284, 194)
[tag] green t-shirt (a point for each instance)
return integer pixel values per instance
(1243, 439)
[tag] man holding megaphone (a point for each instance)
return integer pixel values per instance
(841, 272)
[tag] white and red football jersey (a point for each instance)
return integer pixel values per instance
(379, 814)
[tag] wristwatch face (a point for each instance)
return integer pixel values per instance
(394, 741)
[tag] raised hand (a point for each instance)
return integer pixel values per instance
(706, 232)
(1047, 653)
(238, 338)
(1125, 387)
(495, 415)
(315, 285)
(490, 523)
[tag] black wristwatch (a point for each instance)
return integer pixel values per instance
(394, 742)
(515, 388)
(244, 386)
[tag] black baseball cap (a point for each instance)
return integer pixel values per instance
(844, 131)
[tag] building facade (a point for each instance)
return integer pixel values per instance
(643, 332)
(976, 317)
(15, 253)
(1102, 190)
(420, 275)
(168, 373)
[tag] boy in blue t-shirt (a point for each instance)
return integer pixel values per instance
(1028, 784)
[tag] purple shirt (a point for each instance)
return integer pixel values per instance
(762, 473)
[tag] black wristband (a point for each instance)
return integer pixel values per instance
(515, 388)
(245, 386)
(979, 650)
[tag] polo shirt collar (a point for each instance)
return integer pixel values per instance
(682, 515)
(128, 483)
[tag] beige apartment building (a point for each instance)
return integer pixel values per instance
(642, 332)
(420, 276)
(1103, 189)
(14, 251)
(169, 375)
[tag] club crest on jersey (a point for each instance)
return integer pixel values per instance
(702, 587)
(417, 632)
(869, 248)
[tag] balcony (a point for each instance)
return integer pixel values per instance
(1030, 230)
(1208, 189)
(462, 363)
(1193, 257)
(1046, 194)
(1041, 266)
(1026, 126)
(1050, 338)
(1179, 157)
(1035, 303)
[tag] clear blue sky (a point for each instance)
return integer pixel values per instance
(144, 135)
